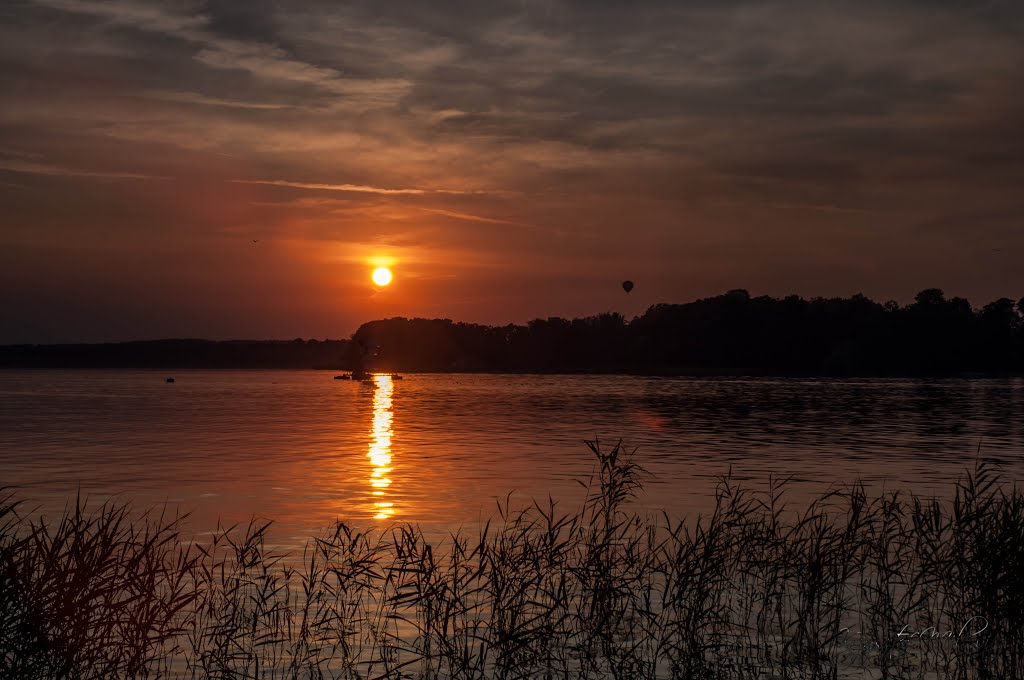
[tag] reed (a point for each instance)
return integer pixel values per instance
(852, 584)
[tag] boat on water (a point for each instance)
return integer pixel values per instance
(371, 376)
(364, 376)
(364, 364)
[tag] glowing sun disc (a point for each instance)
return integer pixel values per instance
(381, 276)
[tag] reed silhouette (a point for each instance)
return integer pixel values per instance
(891, 584)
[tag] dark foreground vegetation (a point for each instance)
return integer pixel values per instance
(729, 334)
(857, 585)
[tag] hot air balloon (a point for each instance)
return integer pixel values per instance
(627, 286)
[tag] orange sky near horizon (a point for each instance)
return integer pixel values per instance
(211, 169)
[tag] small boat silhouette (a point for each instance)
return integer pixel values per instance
(365, 376)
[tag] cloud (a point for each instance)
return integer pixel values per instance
(474, 218)
(203, 100)
(359, 188)
(61, 171)
(263, 60)
(799, 206)
(722, 139)
(150, 17)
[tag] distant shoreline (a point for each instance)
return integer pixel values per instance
(680, 373)
(729, 335)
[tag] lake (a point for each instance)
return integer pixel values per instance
(440, 450)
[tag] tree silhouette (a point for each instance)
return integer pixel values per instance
(733, 333)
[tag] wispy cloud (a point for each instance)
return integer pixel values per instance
(360, 188)
(263, 60)
(203, 100)
(62, 171)
(19, 153)
(816, 207)
(136, 14)
(475, 218)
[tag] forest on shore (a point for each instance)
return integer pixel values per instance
(730, 334)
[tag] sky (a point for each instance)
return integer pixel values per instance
(227, 169)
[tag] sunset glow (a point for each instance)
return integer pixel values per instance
(468, 312)
(180, 160)
(381, 276)
(380, 447)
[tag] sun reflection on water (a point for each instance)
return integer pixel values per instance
(380, 447)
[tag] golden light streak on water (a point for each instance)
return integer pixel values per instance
(380, 446)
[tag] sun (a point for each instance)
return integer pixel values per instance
(381, 276)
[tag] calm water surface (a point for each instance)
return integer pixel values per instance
(439, 450)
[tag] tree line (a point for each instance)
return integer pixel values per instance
(733, 333)
(730, 334)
